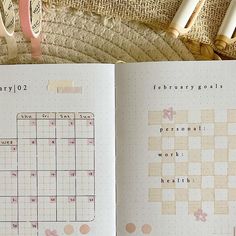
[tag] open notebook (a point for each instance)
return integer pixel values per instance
(131, 149)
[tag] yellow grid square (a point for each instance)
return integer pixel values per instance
(155, 117)
(197, 183)
(194, 155)
(208, 116)
(155, 169)
(155, 195)
(221, 181)
(221, 129)
(208, 194)
(232, 141)
(181, 169)
(181, 117)
(194, 130)
(181, 194)
(232, 168)
(221, 207)
(194, 206)
(232, 194)
(181, 143)
(154, 143)
(168, 208)
(221, 155)
(232, 116)
(208, 142)
(207, 168)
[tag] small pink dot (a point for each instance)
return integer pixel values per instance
(130, 228)
(84, 229)
(69, 229)
(147, 229)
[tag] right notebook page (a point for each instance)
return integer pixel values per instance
(176, 149)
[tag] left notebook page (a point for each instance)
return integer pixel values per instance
(57, 150)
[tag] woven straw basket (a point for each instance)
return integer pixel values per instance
(75, 34)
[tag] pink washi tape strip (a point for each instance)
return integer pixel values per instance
(31, 23)
(69, 90)
(7, 27)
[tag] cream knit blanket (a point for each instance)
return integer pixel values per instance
(158, 14)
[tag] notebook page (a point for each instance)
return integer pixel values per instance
(176, 149)
(57, 150)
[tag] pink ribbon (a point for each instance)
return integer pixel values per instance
(31, 20)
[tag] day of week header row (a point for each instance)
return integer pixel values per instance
(55, 115)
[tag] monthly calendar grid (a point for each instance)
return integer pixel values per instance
(38, 196)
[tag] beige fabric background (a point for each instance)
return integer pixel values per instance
(157, 14)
